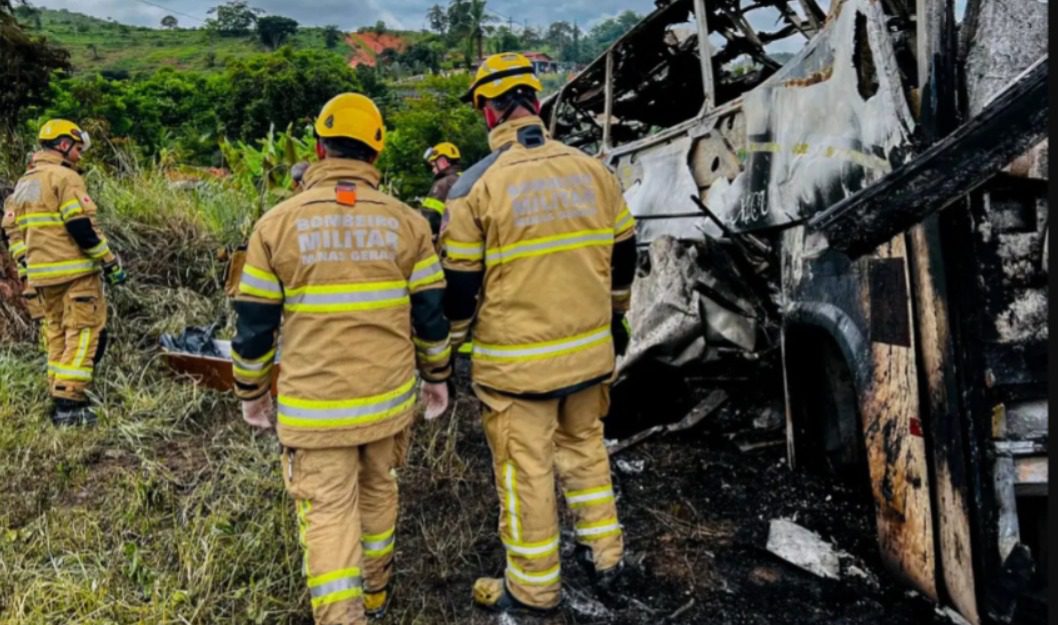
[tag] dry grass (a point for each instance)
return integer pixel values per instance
(172, 511)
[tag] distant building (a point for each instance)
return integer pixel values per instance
(542, 63)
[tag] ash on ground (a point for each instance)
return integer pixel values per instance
(696, 508)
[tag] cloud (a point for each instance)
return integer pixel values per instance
(404, 14)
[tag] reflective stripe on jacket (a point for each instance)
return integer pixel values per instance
(537, 221)
(355, 292)
(45, 203)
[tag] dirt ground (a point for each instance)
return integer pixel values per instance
(695, 510)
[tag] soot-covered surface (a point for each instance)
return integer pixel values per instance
(696, 512)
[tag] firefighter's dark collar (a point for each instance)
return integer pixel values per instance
(507, 132)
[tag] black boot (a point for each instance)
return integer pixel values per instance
(608, 585)
(69, 413)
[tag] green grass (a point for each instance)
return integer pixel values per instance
(100, 45)
(172, 511)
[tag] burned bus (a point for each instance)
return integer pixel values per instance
(874, 173)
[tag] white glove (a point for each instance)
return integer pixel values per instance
(435, 398)
(260, 412)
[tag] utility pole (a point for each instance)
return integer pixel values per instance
(576, 43)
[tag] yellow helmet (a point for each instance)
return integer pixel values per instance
(499, 74)
(447, 150)
(54, 129)
(352, 116)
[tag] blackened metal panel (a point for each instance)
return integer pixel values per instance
(890, 320)
(827, 124)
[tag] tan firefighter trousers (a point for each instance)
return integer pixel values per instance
(529, 440)
(346, 500)
(75, 314)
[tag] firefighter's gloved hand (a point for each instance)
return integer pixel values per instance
(115, 274)
(260, 412)
(435, 398)
(622, 333)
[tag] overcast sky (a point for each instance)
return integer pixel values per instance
(349, 14)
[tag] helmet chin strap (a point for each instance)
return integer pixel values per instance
(320, 152)
(493, 119)
(65, 153)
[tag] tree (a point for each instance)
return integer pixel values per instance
(273, 30)
(559, 35)
(423, 56)
(458, 20)
(331, 36)
(434, 115)
(169, 22)
(438, 19)
(531, 38)
(605, 33)
(288, 86)
(478, 24)
(27, 14)
(26, 67)
(233, 18)
(387, 57)
(505, 40)
(168, 110)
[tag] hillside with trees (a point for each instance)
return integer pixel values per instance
(179, 93)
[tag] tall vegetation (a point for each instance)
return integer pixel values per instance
(468, 26)
(26, 67)
(235, 105)
(233, 18)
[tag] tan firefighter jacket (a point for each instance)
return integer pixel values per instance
(55, 234)
(17, 249)
(433, 207)
(15, 245)
(537, 227)
(349, 279)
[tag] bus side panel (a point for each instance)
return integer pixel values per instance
(943, 423)
(866, 307)
(896, 449)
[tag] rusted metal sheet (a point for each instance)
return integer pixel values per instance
(943, 415)
(896, 454)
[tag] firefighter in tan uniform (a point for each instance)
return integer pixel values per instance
(9, 231)
(63, 251)
(348, 279)
(443, 160)
(539, 256)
